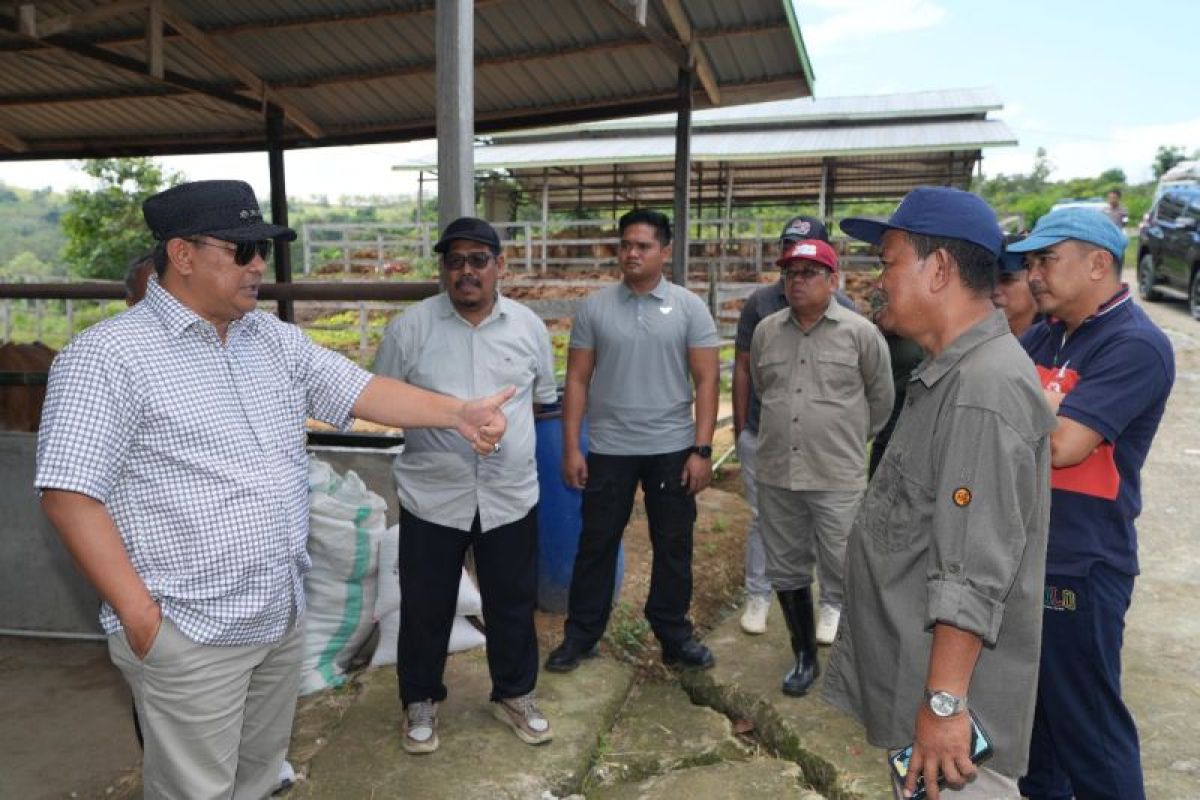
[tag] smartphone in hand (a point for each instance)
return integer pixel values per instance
(981, 749)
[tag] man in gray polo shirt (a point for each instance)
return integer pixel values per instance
(633, 347)
(945, 561)
(463, 339)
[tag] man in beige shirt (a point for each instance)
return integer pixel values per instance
(825, 379)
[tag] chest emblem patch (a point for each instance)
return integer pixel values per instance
(962, 497)
(665, 309)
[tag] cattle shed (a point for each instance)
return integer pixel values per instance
(809, 152)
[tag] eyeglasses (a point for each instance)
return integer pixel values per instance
(456, 261)
(806, 274)
(243, 252)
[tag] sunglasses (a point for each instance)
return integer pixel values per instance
(243, 252)
(456, 261)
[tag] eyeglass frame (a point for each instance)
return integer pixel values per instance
(461, 260)
(243, 252)
(806, 274)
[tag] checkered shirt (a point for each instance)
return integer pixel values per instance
(197, 449)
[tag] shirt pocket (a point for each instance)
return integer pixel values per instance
(838, 376)
(512, 370)
(898, 511)
(774, 373)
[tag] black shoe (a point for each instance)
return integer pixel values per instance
(567, 656)
(797, 607)
(691, 655)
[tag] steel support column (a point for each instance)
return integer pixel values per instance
(279, 206)
(683, 157)
(455, 34)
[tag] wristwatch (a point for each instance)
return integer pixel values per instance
(702, 450)
(943, 704)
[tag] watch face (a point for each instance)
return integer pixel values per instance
(943, 704)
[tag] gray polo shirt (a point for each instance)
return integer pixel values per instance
(952, 529)
(439, 477)
(825, 391)
(640, 398)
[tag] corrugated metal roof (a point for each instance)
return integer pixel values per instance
(363, 70)
(808, 110)
(928, 137)
(871, 146)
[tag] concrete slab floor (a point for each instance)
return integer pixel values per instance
(66, 727)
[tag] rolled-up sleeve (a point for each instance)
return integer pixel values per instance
(985, 490)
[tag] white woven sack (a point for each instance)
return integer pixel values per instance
(346, 523)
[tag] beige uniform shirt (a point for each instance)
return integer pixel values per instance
(825, 392)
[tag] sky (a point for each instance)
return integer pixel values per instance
(1097, 83)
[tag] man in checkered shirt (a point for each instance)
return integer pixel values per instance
(171, 459)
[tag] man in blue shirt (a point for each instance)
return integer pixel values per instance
(1107, 371)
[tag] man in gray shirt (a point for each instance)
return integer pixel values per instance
(825, 379)
(463, 339)
(945, 561)
(633, 347)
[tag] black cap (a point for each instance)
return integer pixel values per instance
(471, 229)
(804, 227)
(224, 210)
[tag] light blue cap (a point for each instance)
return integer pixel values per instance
(1083, 224)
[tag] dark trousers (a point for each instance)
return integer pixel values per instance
(671, 513)
(431, 559)
(1085, 744)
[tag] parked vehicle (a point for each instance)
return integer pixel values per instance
(1169, 248)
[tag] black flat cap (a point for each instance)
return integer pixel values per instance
(471, 229)
(224, 210)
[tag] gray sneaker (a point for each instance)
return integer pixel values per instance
(420, 727)
(523, 716)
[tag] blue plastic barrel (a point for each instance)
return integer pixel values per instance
(559, 515)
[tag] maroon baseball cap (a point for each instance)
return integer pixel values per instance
(809, 250)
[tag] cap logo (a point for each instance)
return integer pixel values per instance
(250, 213)
(803, 226)
(806, 250)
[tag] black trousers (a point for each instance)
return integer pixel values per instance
(431, 559)
(607, 503)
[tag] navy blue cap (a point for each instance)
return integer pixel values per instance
(1011, 261)
(935, 211)
(471, 229)
(224, 210)
(804, 227)
(1083, 224)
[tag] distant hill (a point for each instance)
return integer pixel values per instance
(29, 224)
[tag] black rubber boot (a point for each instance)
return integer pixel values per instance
(797, 605)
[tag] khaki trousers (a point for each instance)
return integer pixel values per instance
(216, 720)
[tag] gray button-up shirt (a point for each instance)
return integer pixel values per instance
(197, 449)
(824, 392)
(439, 477)
(640, 398)
(952, 530)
